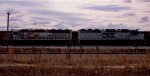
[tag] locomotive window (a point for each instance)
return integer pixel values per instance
(97, 31)
(124, 30)
(24, 30)
(110, 30)
(15, 33)
(38, 30)
(134, 32)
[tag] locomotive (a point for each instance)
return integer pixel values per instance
(27, 37)
(111, 37)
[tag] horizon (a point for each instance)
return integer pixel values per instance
(71, 29)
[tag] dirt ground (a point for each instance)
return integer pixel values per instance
(76, 71)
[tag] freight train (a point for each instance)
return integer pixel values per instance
(28, 37)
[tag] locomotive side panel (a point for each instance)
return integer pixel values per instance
(15, 35)
(104, 36)
(49, 36)
(41, 37)
(137, 37)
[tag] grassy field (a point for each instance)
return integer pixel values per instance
(75, 64)
(78, 59)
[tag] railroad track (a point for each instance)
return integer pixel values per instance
(76, 50)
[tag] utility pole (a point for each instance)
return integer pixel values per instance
(7, 37)
(7, 31)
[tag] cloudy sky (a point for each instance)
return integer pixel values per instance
(76, 14)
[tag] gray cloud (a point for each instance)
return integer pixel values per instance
(13, 26)
(144, 0)
(21, 6)
(10, 10)
(112, 8)
(51, 13)
(108, 25)
(126, 15)
(144, 19)
(129, 14)
(40, 18)
(128, 1)
(115, 26)
(14, 19)
(38, 22)
(68, 18)
(61, 25)
(23, 3)
(3, 27)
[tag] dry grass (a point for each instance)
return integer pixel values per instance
(75, 64)
(51, 71)
(80, 59)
